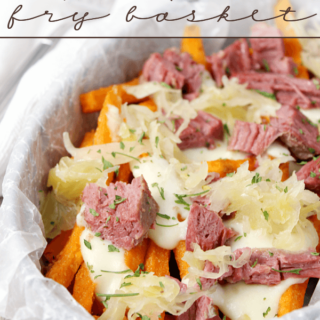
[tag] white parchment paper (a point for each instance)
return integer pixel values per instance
(67, 72)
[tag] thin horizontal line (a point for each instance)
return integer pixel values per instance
(160, 37)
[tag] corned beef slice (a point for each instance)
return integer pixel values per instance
(202, 131)
(176, 69)
(270, 51)
(252, 137)
(298, 132)
(233, 59)
(205, 228)
(288, 90)
(311, 176)
(259, 270)
(129, 219)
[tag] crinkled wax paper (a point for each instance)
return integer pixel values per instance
(24, 292)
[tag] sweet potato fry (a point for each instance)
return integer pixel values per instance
(84, 288)
(157, 260)
(68, 260)
(93, 100)
(293, 298)
(179, 252)
(103, 134)
(223, 167)
(125, 173)
(193, 46)
(56, 245)
(285, 171)
(87, 139)
(149, 104)
(136, 255)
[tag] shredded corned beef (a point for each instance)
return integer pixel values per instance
(268, 267)
(233, 59)
(310, 173)
(202, 131)
(269, 54)
(122, 213)
(206, 228)
(252, 137)
(297, 132)
(176, 69)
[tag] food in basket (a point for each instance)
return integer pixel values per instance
(183, 200)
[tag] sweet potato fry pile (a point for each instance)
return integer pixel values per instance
(63, 253)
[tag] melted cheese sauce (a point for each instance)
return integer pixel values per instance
(99, 258)
(276, 150)
(159, 171)
(250, 302)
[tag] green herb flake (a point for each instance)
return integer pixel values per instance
(266, 313)
(99, 275)
(106, 164)
(312, 174)
(245, 234)
(230, 174)
(267, 94)
(226, 129)
(157, 141)
(112, 206)
(165, 85)
(125, 284)
(161, 284)
(117, 219)
(295, 271)
(99, 151)
(123, 154)
(112, 248)
(266, 214)
(285, 189)
(166, 225)
(301, 132)
(178, 68)
(266, 65)
(184, 168)
(117, 272)
(87, 244)
(199, 283)
(145, 318)
(255, 263)
(163, 216)
(141, 137)
(237, 238)
(161, 190)
(311, 150)
(271, 254)
(136, 167)
(315, 253)
(94, 212)
(97, 234)
(296, 71)
(122, 146)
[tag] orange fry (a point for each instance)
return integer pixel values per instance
(136, 255)
(84, 288)
(179, 252)
(56, 245)
(149, 104)
(285, 171)
(193, 46)
(223, 167)
(293, 298)
(93, 100)
(87, 139)
(68, 260)
(125, 173)
(157, 260)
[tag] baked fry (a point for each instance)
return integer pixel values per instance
(84, 288)
(87, 139)
(68, 260)
(136, 256)
(293, 298)
(285, 171)
(223, 167)
(157, 260)
(56, 245)
(179, 252)
(149, 104)
(125, 173)
(93, 100)
(193, 46)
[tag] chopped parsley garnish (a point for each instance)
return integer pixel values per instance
(268, 180)
(165, 85)
(136, 167)
(271, 254)
(264, 128)
(266, 313)
(295, 271)
(184, 168)
(106, 164)
(301, 132)
(280, 189)
(191, 195)
(181, 200)
(237, 238)
(315, 253)
(224, 318)
(311, 150)
(130, 150)
(227, 70)
(173, 121)
(112, 206)
(224, 104)
(178, 68)
(161, 284)
(226, 129)
(296, 71)
(199, 283)
(255, 263)
(122, 146)
(117, 219)
(97, 234)
(99, 151)
(94, 213)
(125, 284)
(230, 174)
(141, 137)
(98, 169)
(108, 219)
(157, 141)
(161, 190)
(318, 138)
(266, 65)
(87, 244)
(267, 94)
(112, 248)
(117, 272)
(285, 189)
(298, 107)
(266, 214)
(123, 154)
(166, 225)
(145, 318)
(316, 83)
(132, 131)
(119, 199)
(312, 174)
(99, 275)
(163, 216)
(256, 178)
(302, 163)
(245, 234)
